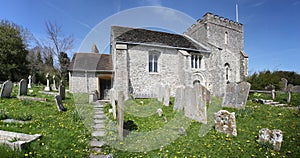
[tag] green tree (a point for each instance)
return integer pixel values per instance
(13, 63)
(64, 63)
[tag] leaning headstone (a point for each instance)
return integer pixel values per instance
(47, 88)
(6, 89)
(179, 99)
(236, 95)
(273, 137)
(166, 99)
(54, 84)
(22, 87)
(120, 114)
(225, 122)
(59, 104)
(29, 82)
(62, 91)
(113, 102)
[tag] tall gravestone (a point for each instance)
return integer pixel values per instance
(195, 103)
(179, 99)
(120, 114)
(62, 91)
(6, 90)
(22, 87)
(54, 84)
(29, 82)
(166, 100)
(113, 102)
(236, 95)
(283, 84)
(47, 88)
(160, 91)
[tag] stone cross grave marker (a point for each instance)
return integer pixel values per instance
(62, 91)
(6, 90)
(236, 95)
(225, 122)
(120, 114)
(22, 87)
(54, 84)
(179, 99)
(59, 104)
(29, 82)
(47, 88)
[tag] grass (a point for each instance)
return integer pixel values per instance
(63, 133)
(155, 131)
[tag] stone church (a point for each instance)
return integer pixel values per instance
(210, 53)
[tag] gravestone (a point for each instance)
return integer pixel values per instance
(29, 82)
(225, 122)
(179, 99)
(59, 104)
(283, 84)
(166, 98)
(273, 137)
(47, 88)
(273, 94)
(160, 91)
(296, 89)
(159, 112)
(6, 89)
(120, 114)
(54, 84)
(195, 103)
(22, 87)
(113, 102)
(236, 95)
(62, 91)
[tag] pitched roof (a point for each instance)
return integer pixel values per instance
(91, 62)
(139, 35)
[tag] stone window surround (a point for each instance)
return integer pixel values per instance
(196, 61)
(153, 66)
(226, 37)
(227, 72)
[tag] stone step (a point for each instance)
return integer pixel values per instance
(98, 134)
(96, 143)
(99, 126)
(98, 121)
(99, 112)
(99, 116)
(98, 106)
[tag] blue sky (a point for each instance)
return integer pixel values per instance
(271, 27)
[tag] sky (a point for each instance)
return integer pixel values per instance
(271, 27)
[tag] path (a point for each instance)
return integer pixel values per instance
(98, 130)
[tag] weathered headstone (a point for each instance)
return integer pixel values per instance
(166, 100)
(179, 98)
(47, 88)
(289, 89)
(159, 112)
(113, 102)
(195, 103)
(54, 84)
(225, 122)
(160, 91)
(120, 114)
(22, 87)
(283, 84)
(62, 91)
(59, 104)
(236, 95)
(273, 137)
(296, 89)
(6, 90)
(29, 82)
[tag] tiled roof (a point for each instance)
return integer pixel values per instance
(91, 62)
(138, 35)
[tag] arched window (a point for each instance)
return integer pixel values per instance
(227, 69)
(196, 61)
(153, 61)
(226, 37)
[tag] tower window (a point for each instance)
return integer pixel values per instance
(227, 72)
(226, 37)
(196, 61)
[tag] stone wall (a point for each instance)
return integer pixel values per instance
(83, 82)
